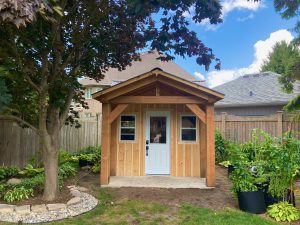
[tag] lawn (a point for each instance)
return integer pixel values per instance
(112, 211)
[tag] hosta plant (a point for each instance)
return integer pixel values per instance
(283, 211)
(30, 171)
(18, 194)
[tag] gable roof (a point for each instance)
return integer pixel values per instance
(148, 62)
(158, 75)
(254, 90)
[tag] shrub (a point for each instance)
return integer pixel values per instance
(65, 157)
(220, 148)
(8, 172)
(92, 155)
(33, 182)
(67, 169)
(283, 211)
(18, 194)
(243, 180)
(30, 171)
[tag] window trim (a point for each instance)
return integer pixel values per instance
(120, 127)
(86, 93)
(181, 128)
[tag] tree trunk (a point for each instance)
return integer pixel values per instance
(51, 188)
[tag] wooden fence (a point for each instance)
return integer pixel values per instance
(18, 146)
(239, 128)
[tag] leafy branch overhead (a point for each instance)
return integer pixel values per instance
(45, 58)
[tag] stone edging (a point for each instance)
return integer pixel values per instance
(80, 203)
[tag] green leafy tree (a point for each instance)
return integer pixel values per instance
(5, 97)
(285, 59)
(46, 58)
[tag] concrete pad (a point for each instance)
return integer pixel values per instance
(157, 182)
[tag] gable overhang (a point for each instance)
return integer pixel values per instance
(194, 93)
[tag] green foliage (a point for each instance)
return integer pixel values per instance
(5, 97)
(283, 211)
(243, 180)
(18, 194)
(8, 172)
(285, 60)
(65, 157)
(67, 169)
(221, 152)
(33, 182)
(91, 154)
(30, 171)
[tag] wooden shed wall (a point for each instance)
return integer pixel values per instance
(128, 158)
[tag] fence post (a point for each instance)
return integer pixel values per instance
(223, 124)
(279, 123)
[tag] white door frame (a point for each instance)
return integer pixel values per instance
(152, 165)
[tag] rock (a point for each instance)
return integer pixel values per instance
(83, 189)
(74, 192)
(4, 208)
(85, 168)
(71, 186)
(24, 209)
(56, 207)
(14, 181)
(74, 201)
(39, 208)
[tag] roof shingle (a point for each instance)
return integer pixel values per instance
(254, 89)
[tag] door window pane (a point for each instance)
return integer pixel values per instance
(127, 129)
(158, 133)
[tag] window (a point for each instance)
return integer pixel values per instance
(88, 114)
(127, 129)
(88, 93)
(98, 89)
(188, 128)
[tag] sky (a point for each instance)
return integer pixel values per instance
(242, 42)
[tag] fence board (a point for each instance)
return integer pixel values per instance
(18, 145)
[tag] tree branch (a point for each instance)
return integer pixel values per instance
(66, 108)
(19, 120)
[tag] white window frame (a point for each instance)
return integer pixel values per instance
(181, 128)
(88, 93)
(120, 127)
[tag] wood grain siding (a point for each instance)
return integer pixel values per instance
(130, 155)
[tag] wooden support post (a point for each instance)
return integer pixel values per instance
(210, 146)
(279, 123)
(223, 124)
(106, 137)
(203, 152)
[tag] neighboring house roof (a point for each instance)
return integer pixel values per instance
(253, 90)
(148, 62)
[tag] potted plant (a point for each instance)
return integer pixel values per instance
(250, 198)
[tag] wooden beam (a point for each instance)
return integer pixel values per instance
(198, 112)
(127, 89)
(116, 112)
(157, 91)
(105, 150)
(183, 87)
(210, 146)
(157, 100)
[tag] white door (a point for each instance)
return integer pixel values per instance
(158, 143)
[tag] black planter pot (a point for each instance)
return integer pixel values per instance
(271, 200)
(230, 168)
(83, 163)
(252, 202)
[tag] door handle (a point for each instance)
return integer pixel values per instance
(147, 149)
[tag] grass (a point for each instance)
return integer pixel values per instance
(126, 211)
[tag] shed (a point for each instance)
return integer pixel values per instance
(158, 124)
